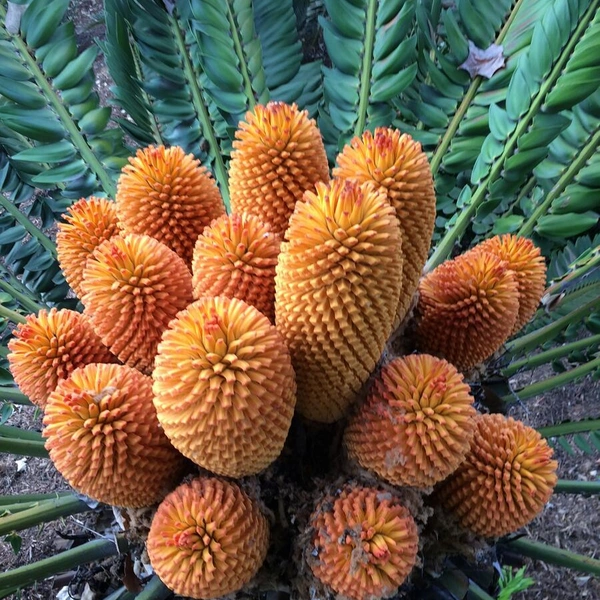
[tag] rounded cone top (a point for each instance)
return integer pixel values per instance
(207, 539)
(467, 308)
(278, 155)
(236, 257)
(133, 286)
(364, 543)
(417, 424)
(505, 480)
(224, 386)
(525, 259)
(104, 438)
(88, 224)
(167, 195)
(49, 347)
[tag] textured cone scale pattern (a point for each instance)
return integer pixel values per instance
(525, 260)
(505, 480)
(417, 424)
(336, 291)
(133, 286)
(467, 308)
(397, 164)
(167, 195)
(88, 224)
(365, 543)
(236, 257)
(207, 539)
(278, 154)
(224, 387)
(49, 347)
(104, 438)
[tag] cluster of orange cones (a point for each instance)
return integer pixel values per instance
(204, 332)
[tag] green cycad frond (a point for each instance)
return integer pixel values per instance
(373, 60)
(492, 156)
(170, 91)
(54, 77)
(287, 78)
(123, 62)
(568, 177)
(230, 54)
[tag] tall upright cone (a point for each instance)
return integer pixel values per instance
(398, 165)
(336, 291)
(278, 154)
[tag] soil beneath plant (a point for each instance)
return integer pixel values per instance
(571, 522)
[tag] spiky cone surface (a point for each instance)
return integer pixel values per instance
(208, 538)
(395, 162)
(278, 154)
(336, 290)
(133, 286)
(417, 423)
(168, 195)
(88, 224)
(236, 257)
(364, 545)
(224, 386)
(467, 308)
(48, 347)
(526, 260)
(104, 438)
(505, 480)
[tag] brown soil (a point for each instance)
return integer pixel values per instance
(569, 521)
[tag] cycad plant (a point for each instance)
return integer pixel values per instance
(502, 95)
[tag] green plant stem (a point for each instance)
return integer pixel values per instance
(574, 167)
(65, 561)
(555, 556)
(239, 50)
(365, 72)
(45, 511)
(202, 111)
(13, 395)
(23, 299)
(57, 104)
(446, 244)
(438, 156)
(568, 428)
(16, 433)
(565, 486)
(23, 447)
(155, 589)
(31, 229)
(11, 315)
(540, 387)
(15, 499)
(531, 362)
(536, 338)
(477, 592)
(17, 503)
